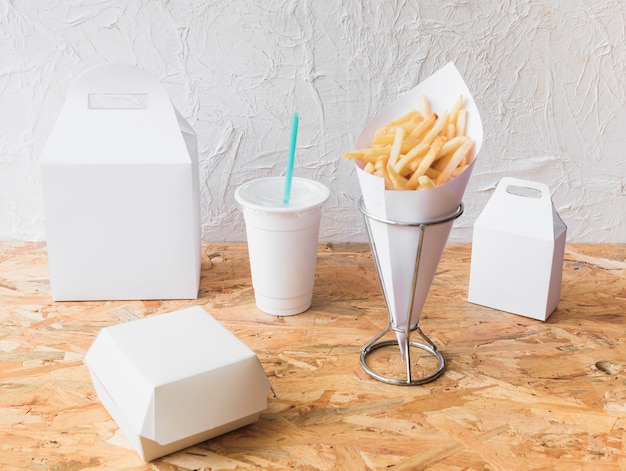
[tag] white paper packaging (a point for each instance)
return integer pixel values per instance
(517, 251)
(397, 245)
(121, 195)
(174, 380)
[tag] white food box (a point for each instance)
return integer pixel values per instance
(174, 380)
(121, 192)
(517, 251)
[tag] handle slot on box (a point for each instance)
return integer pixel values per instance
(523, 191)
(117, 101)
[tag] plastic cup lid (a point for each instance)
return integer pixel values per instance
(266, 194)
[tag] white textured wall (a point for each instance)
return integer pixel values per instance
(549, 80)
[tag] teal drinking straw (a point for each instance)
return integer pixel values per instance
(292, 154)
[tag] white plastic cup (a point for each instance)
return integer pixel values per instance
(282, 241)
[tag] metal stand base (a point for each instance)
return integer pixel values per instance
(429, 347)
(376, 343)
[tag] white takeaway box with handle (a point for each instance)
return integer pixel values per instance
(121, 192)
(517, 251)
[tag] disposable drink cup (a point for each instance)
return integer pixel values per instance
(282, 241)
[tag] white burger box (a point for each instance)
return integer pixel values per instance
(121, 192)
(174, 380)
(517, 251)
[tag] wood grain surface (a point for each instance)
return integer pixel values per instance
(517, 394)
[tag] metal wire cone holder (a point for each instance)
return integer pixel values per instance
(427, 345)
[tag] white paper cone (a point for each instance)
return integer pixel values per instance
(396, 246)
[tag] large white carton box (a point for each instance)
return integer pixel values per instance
(174, 380)
(121, 192)
(517, 251)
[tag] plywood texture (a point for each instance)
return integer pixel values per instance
(516, 393)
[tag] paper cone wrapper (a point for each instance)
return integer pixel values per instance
(396, 246)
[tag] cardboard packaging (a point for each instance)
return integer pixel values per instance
(397, 246)
(121, 192)
(174, 380)
(517, 251)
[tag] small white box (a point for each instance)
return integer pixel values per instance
(121, 192)
(174, 380)
(517, 251)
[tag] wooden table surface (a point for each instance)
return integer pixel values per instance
(516, 393)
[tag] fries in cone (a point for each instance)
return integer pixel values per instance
(414, 163)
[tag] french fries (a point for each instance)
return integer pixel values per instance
(419, 150)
